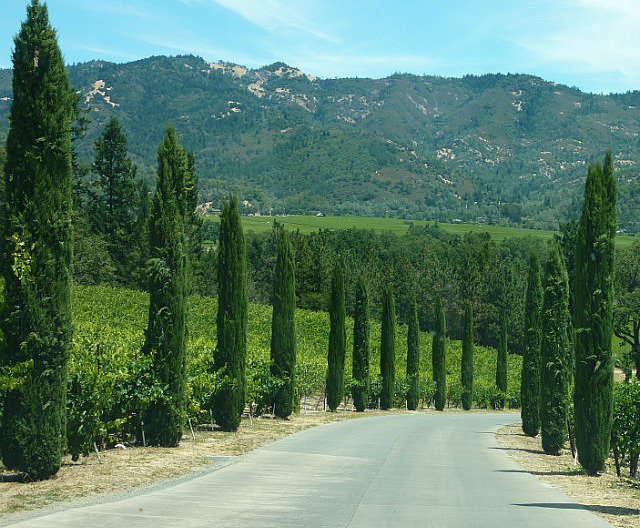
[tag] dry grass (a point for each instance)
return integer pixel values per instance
(121, 470)
(617, 500)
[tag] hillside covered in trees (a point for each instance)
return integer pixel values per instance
(496, 148)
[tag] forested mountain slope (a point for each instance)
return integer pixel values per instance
(498, 148)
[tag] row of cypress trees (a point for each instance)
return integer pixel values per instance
(549, 364)
(360, 373)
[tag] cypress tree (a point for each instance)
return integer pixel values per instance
(467, 359)
(556, 353)
(230, 356)
(530, 385)
(283, 331)
(413, 356)
(37, 252)
(360, 391)
(388, 348)
(438, 358)
(166, 335)
(337, 339)
(501, 362)
(593, 395)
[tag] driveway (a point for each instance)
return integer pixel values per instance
(442, 470)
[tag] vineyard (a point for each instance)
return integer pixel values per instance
(109, 379)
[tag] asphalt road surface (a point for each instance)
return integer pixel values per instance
(404, 470)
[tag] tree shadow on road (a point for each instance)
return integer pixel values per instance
(611, 510)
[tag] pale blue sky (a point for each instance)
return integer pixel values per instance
(591, 44)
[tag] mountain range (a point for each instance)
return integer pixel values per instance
(509, 149)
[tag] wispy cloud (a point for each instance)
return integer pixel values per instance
(277, 16)
(592, 37)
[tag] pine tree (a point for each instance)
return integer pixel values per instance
(593, 395)
(283, 331)
(114, 207)
(439, 358)
(230, 355)
(360, 391)
(467, 359)
(337, 339)
(37, 251)
(501, 362)
(413, 356)
(388, 348)
(530, 385)
(166, 335)
(556, 354)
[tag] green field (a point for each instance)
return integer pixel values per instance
(309, 224)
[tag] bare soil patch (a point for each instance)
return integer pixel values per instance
(615, 499)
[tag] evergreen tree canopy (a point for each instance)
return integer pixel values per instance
(337, 339)
(283, 331)
(37, 251)
(467, 359)
(230, 356)
(166, 336)
(360, 391)
(115, 210)
(593, 395)
(530, 384)
(413, 356)
(388, 348)
(438, 358)
(556, 353)
(501, 362)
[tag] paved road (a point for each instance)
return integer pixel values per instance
(402, 470)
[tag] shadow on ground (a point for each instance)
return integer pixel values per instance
(611, 510)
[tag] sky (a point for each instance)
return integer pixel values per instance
(591, 44)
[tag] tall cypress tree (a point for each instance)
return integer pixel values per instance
(166, 336)
(360, 391)
(230, 356)
(467, 359)
(413, 356)
(556, 353)
(501, 361)
(283, 330)
(36, 257)
(439, 358)
(530, 385)
(593, 395)
(337, 339)
(388, 348)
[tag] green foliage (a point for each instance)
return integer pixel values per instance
(413, 358)
(439, 358)
(466, 375)
(283, 331)
(115, 211)
(231, 352)
(337, 339)
(166, 334)
(555, 354)
(625, 432)
(626, 311)
(501, 364)
(593, 395)
(360, 367)
(36, 251)
(531, 361)
(388, 349)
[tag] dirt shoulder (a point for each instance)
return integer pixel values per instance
(615, 499)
